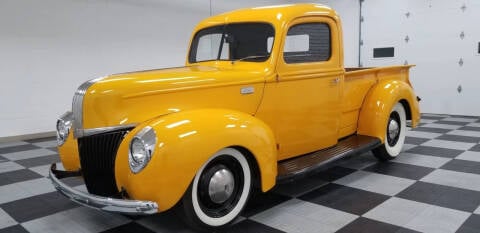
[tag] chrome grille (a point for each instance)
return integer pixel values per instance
(77, 107)
(97, 158)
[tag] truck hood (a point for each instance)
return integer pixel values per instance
(132, 98)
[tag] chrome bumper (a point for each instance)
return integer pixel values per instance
(133, 207)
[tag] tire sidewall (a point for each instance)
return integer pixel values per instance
(394, 151)
(217, 222)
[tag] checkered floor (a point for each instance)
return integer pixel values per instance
(433, 186)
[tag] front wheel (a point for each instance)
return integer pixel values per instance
(219, 191)
(394, 134)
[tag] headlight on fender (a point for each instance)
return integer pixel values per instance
(64, 123)
(141, 149)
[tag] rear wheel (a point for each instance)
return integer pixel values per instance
(219, 191)
(394, 135)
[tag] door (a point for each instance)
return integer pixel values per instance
(303, 104)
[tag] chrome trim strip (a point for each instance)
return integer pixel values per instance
(77, 107)
(247, 90)
(103, 203)
(93, 131)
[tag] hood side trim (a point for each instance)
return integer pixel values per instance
(77, 107)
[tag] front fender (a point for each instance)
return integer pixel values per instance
(185, 140)
(379, 102)
(69, 154)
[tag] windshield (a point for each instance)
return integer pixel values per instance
(231, 42)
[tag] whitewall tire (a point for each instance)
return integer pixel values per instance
(219, 191)
(395, 133)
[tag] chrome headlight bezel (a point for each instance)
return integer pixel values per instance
(141, 149)
(64, 124)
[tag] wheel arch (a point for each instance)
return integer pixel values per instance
(380, 100)
(252, 161)
(407, 108)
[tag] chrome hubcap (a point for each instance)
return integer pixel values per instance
(393, 128)
(221, 186)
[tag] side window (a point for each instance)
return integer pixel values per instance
(309, 42)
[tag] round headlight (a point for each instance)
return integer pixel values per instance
(139, 153)
(64, 123)
(141, 149)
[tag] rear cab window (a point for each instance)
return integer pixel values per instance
(307, 42)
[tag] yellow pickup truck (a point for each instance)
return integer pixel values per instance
(263, 98)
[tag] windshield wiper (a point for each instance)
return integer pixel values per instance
(250, 57)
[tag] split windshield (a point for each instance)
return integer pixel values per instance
(232, 42)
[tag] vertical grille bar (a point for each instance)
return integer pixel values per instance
(97, 158)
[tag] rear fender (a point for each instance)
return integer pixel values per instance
(379, 102)
(185, 141)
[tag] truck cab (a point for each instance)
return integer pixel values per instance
(263, 98)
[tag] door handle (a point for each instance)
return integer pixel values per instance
(335, 81)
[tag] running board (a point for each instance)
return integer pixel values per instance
(301, 166)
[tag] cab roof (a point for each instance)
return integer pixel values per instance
(277, 15)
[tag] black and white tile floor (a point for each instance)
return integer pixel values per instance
(433, 186)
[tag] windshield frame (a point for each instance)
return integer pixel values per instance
(195, 41)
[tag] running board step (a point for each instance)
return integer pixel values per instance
(297, 167)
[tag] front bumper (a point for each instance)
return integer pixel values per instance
(133, 207)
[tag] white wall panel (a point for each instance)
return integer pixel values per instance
(469, 102)
(435, 46)
(49, 47)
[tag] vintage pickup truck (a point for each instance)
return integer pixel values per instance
(263, 98)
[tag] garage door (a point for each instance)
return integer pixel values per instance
(441, 37)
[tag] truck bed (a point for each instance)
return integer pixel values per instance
(358, 82)
(383, 72)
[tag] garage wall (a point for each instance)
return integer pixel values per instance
(429, 34)
(49, 47)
